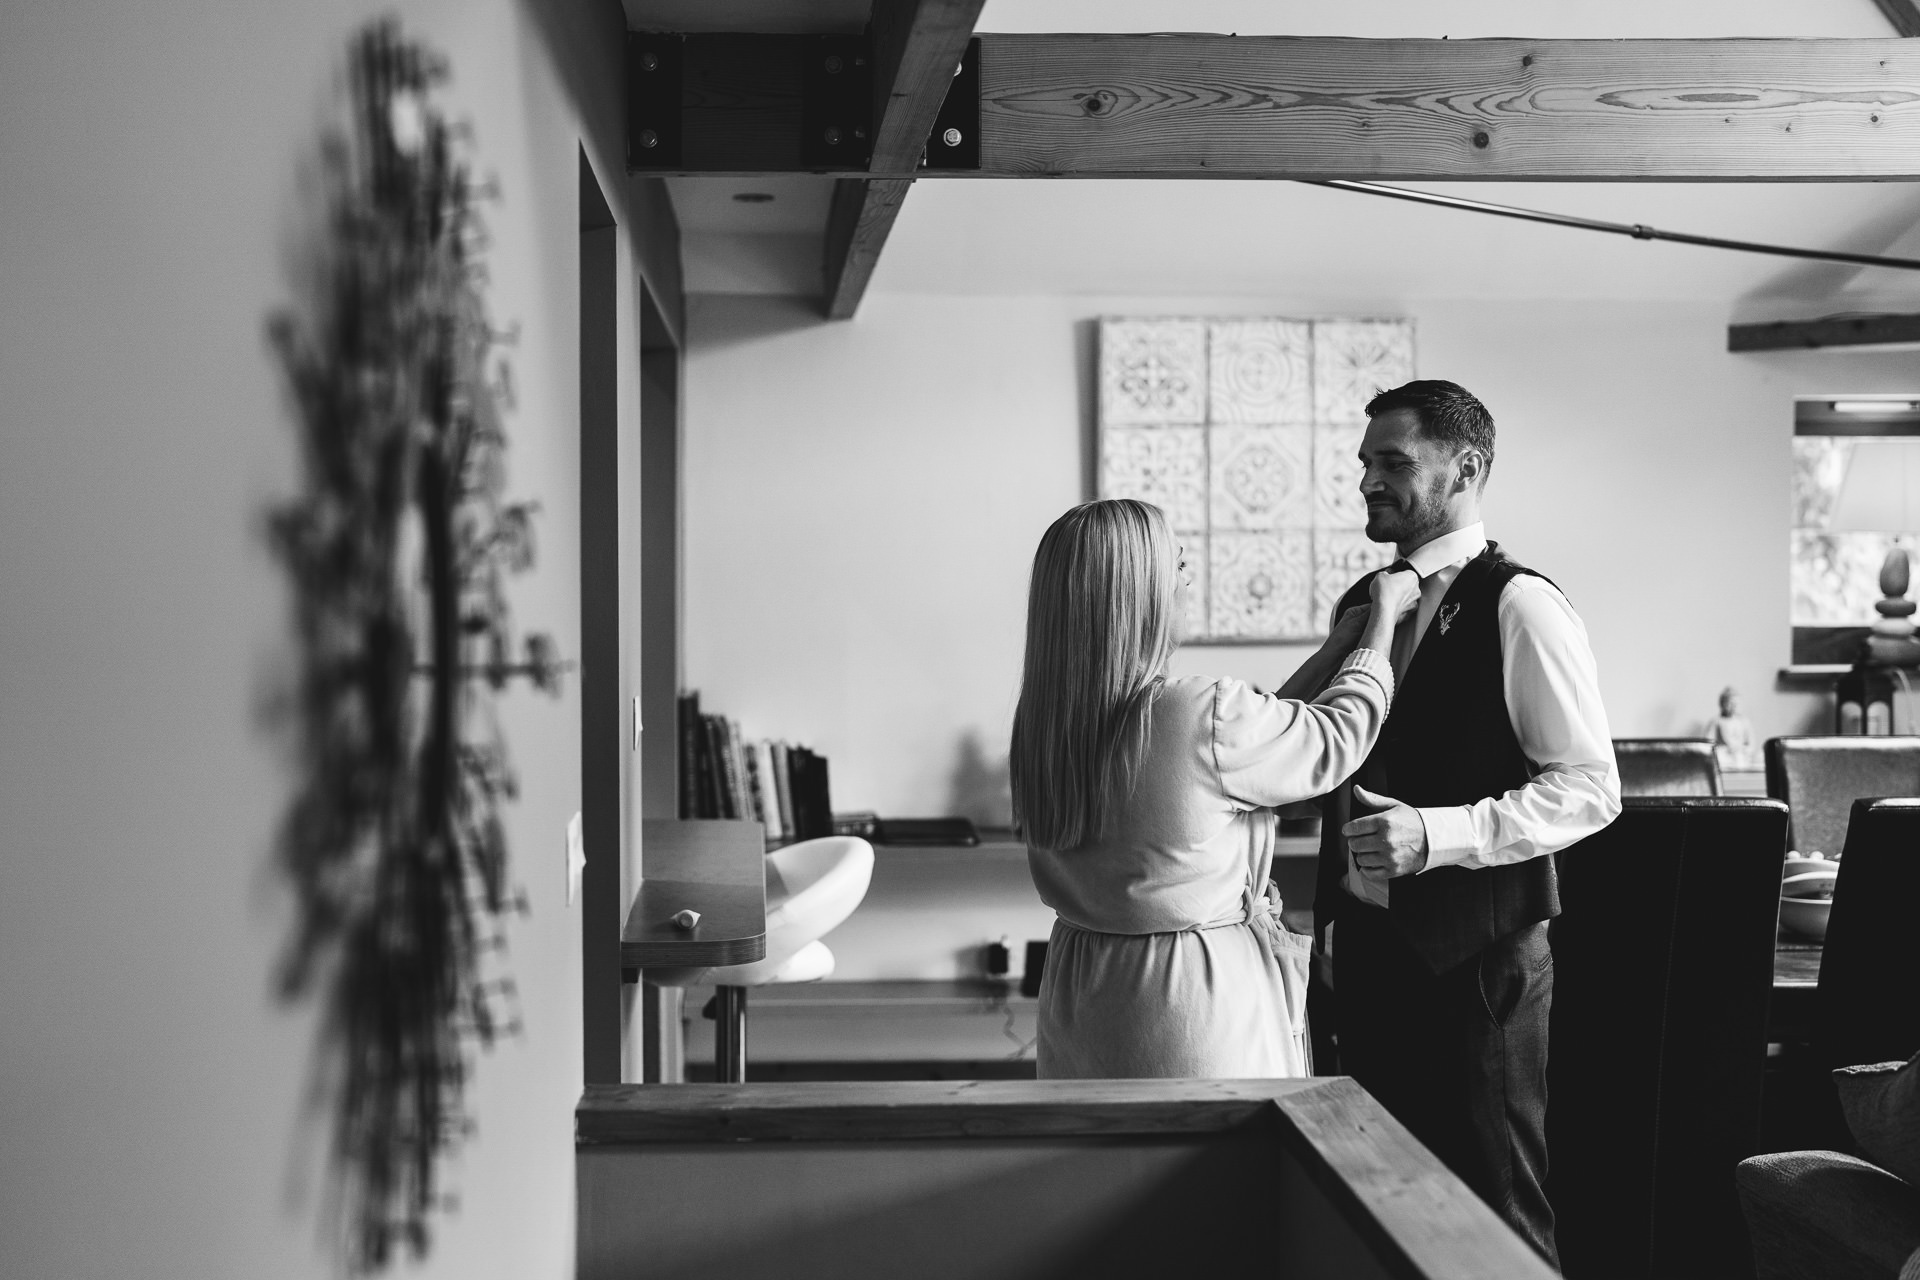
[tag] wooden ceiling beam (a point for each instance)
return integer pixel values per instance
(916, 46)
(1204, 106)
(1831, 331)
(1902, 14)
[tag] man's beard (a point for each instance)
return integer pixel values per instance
(1417, 522)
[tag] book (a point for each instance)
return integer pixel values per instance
(688, 727)
(783, 791)
(769, 790)
(756, 791)
(722, 793)
(737, 773)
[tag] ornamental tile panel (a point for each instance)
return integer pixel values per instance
(1340, 558)
(1260, 586)
(1194, 552)
(1152, 372)
(1337, 503)
(1353, 360)
(1260, 477)
(1259, 371)
(1166, 466)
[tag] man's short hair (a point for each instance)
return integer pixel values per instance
(1448, 413)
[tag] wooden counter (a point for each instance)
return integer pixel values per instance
(717, 868)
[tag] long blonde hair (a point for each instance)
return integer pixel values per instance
(1100, 632)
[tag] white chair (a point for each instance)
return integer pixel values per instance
(811, 887)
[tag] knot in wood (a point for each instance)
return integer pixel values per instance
(1096, 103)
(1481, 139)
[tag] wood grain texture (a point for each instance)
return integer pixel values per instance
(1419, 1218)
(858, 221)
(1902, 14)
(1801, 335)
(1276, 107)
(916, 45)
(920, 1110)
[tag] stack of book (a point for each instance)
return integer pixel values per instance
(725, 775)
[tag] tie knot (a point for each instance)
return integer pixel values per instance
(1399, 565)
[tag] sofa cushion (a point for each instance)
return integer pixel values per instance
(1882, 1105)
(1820, 1215)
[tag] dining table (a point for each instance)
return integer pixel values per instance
(1796, 978)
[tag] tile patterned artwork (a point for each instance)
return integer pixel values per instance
(1166, 466)
(1245, 431)
(1340, 557)
(1259, 371)
(1337, 503)
(1355, 359)
(1153, 372)
(1260, 477)
(1260, 584)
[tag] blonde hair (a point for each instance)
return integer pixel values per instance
(1100, 632)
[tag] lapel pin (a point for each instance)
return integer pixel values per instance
(1447, 615)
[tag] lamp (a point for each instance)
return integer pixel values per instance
(1881, 494)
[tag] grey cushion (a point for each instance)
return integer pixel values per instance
(1819, 1215)
(1882, 1106)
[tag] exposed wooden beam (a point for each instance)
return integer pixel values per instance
(916, 46)
(857, 225)
(1902, 14)
(1195, 106)
(1837, 331)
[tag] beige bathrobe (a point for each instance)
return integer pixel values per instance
(1168, 958)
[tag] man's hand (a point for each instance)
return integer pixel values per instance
(1389, 843)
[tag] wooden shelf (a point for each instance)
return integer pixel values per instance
(714, 867)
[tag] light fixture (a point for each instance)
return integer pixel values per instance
(1861, 406)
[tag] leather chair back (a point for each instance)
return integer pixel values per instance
(1663, 960)
(1867, 1009)
(1667, 767)
(1820, 778)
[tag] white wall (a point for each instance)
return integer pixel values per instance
(151, 1086)
(863, 500)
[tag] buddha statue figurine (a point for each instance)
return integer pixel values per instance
(1732, 734)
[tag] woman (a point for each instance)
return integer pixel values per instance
(1148, 807)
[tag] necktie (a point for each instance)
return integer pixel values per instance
(1403, 634)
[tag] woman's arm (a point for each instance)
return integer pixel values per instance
(1369, 626)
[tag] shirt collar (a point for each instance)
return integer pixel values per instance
(1449, 548)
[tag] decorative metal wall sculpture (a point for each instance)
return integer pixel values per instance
(1244, 432)
(397, 551)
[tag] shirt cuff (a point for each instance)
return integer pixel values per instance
(1373, 663)
(1450, 837)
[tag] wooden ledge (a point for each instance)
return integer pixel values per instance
(1419, 1219)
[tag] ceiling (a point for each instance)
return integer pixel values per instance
(1214, 238)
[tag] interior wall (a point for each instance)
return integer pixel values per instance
(864, 498)
(156, 186)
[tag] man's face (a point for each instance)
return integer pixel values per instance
(1407, 480)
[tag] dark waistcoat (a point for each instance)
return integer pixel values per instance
(1448, 741)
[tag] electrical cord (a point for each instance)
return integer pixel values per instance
(1637, 230)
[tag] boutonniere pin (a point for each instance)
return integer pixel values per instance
(1447, 615)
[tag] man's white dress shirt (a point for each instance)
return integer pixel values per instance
(1553, 701)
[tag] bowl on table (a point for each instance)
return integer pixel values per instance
(1806, 895)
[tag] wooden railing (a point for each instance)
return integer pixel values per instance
(1300, 1178)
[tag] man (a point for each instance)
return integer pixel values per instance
(1435, 883)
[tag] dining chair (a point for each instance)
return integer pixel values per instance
(1821, 777)
(1663, 958)
(1866, 1009)
(1667, 766)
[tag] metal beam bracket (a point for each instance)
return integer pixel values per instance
(656, 63)
(836, 102)
(954, 142)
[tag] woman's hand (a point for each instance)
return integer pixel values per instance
(1394, 596)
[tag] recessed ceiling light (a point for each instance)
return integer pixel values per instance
(753, 197)
(1874, 406)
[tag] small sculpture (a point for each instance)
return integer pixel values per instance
(1732, 734)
